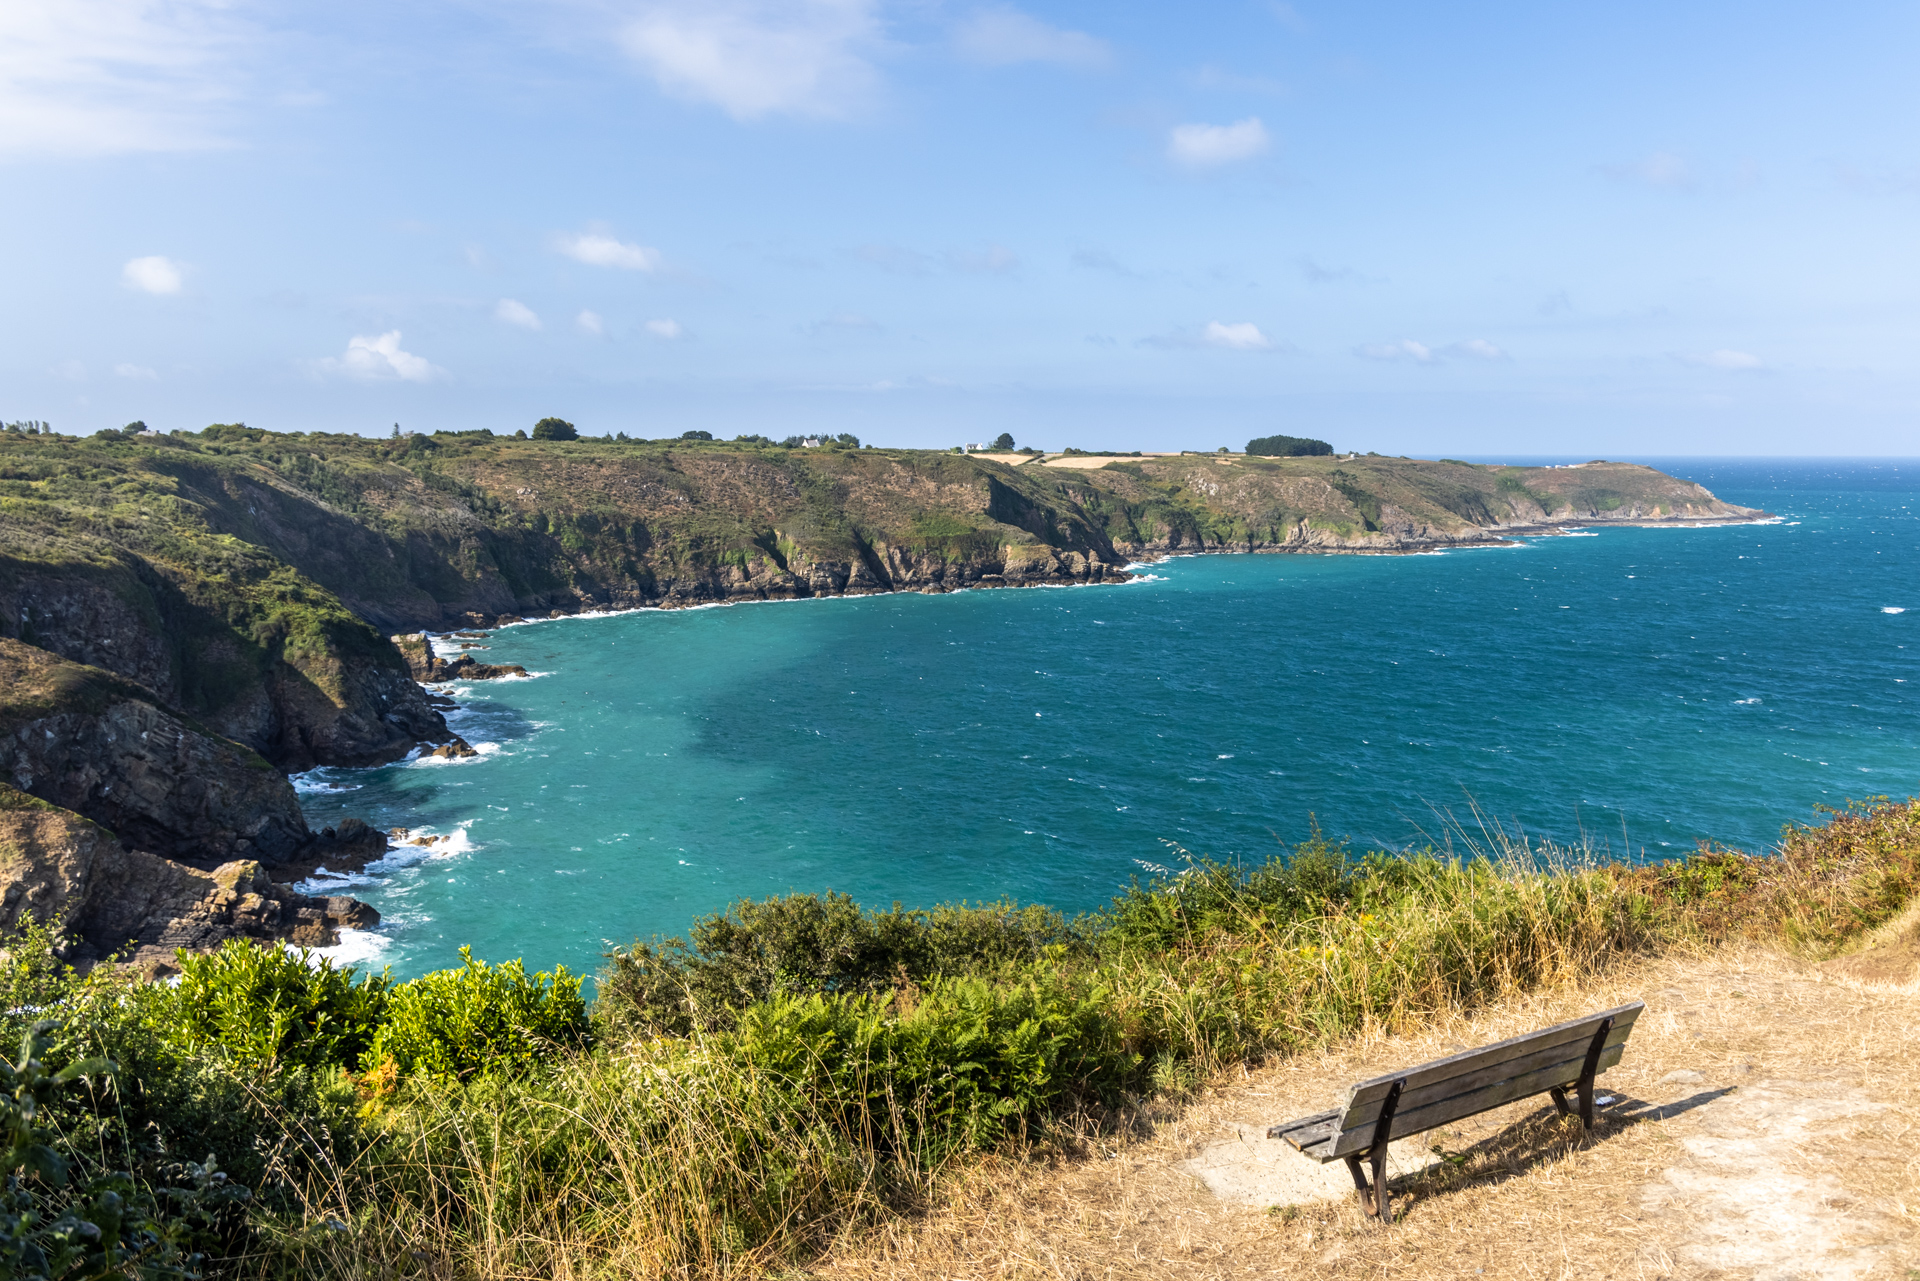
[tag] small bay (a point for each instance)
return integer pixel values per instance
(1642, 689)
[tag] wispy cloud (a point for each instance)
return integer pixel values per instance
(1238, 335)
(589, 322)
(663, 328)
(754, 58)
(98, 77)
(1725, 358)
(1242, 335)
(511, 311)
(1419, 353)
(1474, 349)
(380, 359)
(1002, 36)
(1405, 349)
(597, 249)
(137, 372)
(152, 275)
(994, 260)
(1101, 260)
(1662, 169)
(894, 258)
(70, 369)
(1205, 146)
(1316, 274)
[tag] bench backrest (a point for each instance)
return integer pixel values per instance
(1463, 1085)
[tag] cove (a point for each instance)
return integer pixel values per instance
(1645, 688)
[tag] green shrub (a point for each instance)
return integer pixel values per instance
(812, 943)
(1289, 447)
(480, 1020)
(266, 1006)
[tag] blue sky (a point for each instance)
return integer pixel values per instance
(1419, 229)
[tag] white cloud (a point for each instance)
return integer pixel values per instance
(1422, 354)
(589, 322)
(1002, 36)
(98, 77)
(1478, 348)
(597, 249)
(1727, 359)
(1405, 349)
(153, 275)
(668, 329)
(1242, 336)
(380, 358)
(509, 311)
(134, 371)
(754, 58)
(1207, 145)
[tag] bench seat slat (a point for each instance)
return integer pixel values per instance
(1574, 1052)
(1580, 1030)
(1309, 1132)
(1458, 1107)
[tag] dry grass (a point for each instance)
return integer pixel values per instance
(1528, 1196)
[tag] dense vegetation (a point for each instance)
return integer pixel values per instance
(1289, 447)
(795, 1068)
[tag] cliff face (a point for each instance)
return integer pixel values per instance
(121, 564)
(83, 740)
(56, 865)
(298, 547)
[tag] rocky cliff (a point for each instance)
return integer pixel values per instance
(56, 865)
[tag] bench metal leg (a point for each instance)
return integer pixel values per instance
(1374, 1199)
(1590, 1069)
(1559, 1093)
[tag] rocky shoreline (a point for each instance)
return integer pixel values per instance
(159, 682)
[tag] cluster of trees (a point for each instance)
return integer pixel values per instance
(1289, 447)
(28, 427)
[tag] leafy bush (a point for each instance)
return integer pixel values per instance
(555, 429)
(107, 1227)
(1289, 447)
(808, 943)
(481, 1019)
(266, 1006)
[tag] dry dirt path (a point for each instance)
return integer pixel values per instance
(1766, 1127)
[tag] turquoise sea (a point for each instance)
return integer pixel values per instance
(1640, 688)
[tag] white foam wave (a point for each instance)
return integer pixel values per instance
(307, 785)
(361, 949)
(422, 845)
(481, 752)
(1893, 609)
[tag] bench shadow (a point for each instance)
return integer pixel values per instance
(1527, 1142)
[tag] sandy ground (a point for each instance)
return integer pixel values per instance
(1761, 1130)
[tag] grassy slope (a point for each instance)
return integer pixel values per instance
(419, 530)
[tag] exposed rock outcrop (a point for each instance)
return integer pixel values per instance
(56, 865)
(91, 742)
(429, 668)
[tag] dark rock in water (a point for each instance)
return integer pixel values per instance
(56, 865)
(430, 669)
(458, 748)
(472, 636)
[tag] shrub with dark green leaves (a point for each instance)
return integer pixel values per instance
(806, 943)
(481, 1019)
(266, 1006)
(109, 1226)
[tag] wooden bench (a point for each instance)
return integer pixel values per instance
(1550, 1061)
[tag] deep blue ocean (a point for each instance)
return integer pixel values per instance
(1636, 690)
